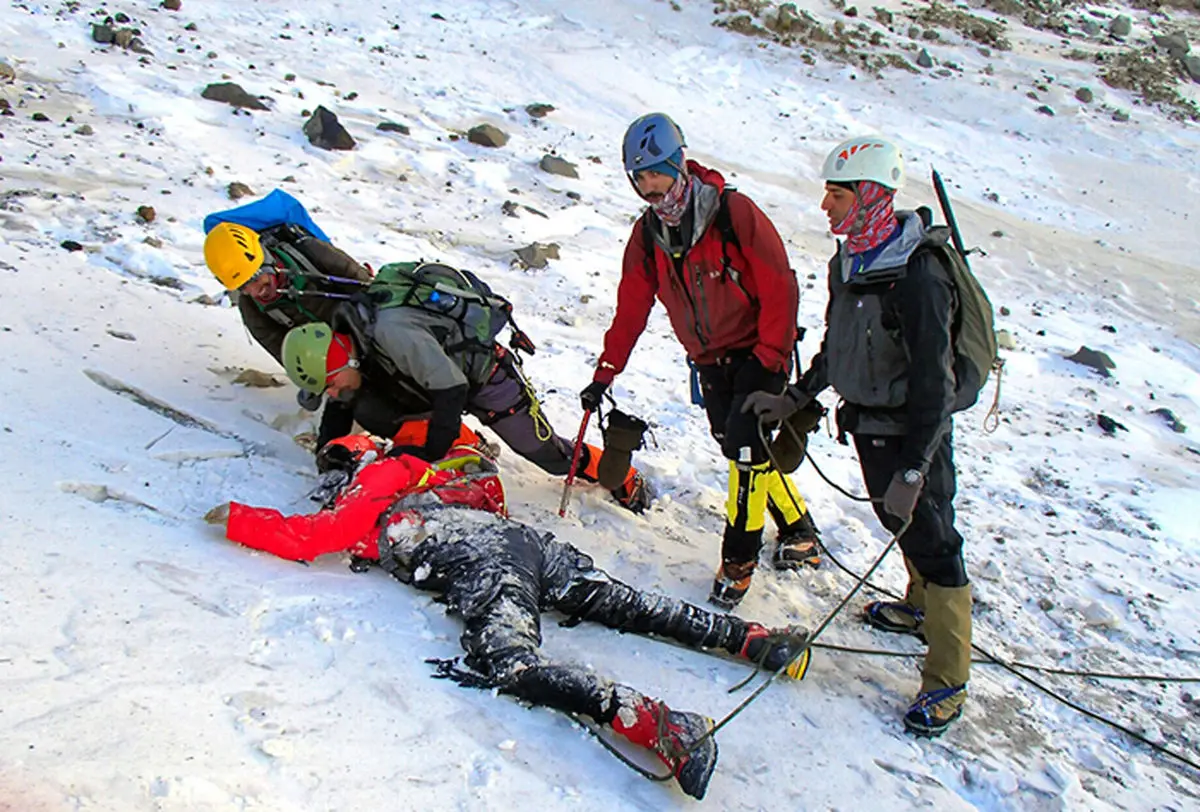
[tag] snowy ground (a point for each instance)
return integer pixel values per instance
(146, 663)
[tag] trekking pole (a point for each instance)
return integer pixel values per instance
(583, 424)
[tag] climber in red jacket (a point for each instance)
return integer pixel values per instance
(444, 527)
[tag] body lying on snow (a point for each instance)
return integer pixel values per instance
(444, 527)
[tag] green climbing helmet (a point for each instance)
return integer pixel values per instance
(305, 349)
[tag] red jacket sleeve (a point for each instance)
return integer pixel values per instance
(773, 280)
(635, 299)
(350, 526)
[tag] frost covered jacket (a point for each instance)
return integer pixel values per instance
(888, 349)
(302, 303)
(353, 525)
(751, 305)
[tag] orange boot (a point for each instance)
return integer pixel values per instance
(672, 735)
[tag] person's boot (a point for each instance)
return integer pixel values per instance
(901, 617)
(947, 666)
(773, 649)
(671, 735)
(799, 545)
(623, 435)
(635, 493)
(731, 584)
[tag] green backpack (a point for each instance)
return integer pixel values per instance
(460, 296)
(976, 353)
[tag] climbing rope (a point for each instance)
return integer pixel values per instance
(991, 659)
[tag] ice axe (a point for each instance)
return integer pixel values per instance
(583, 424)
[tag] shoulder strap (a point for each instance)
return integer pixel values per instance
(649, 224)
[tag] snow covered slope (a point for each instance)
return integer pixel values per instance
(148, 664)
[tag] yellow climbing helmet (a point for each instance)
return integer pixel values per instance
(234, 254)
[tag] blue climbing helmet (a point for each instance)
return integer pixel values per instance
(650, 140)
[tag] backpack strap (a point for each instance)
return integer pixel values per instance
(724, 224)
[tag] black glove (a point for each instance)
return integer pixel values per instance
(902, 493)
(589, 398)
(309, 401)
(335, 457)
(417, 451)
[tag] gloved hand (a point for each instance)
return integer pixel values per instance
(902, 493)
(589, 398)
(773, 408)
(309, 401)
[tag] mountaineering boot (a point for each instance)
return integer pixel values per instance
(799, 546)
(947, 666)
(622, 436)
(731, 584)
(635, 493)
(901, 617)
(772, 649)
(670, 734)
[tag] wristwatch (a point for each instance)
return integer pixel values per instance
(912, 476)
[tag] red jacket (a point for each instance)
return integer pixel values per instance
(353, 523)
(712, 312)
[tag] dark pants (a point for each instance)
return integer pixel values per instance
(503, 405)
(931, 542)
(725, 386)
(501, 593)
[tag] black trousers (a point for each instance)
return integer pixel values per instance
(931, 542)
(725, 386)
(501, 594)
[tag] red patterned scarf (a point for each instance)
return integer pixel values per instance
(871, 219)
(674, 203)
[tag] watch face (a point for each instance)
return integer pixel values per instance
(912, 477)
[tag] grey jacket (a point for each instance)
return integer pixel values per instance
(888, 349)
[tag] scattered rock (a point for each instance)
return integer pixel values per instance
(153, 242)
(218, 514)
(852, 11)
(190, 27)
(1120, 116)
(487, 135)
(1108, 328)
(392, 127)
(1090, 27)
(121, 334)
(537, 255)
(1191, 64)
(123, 38)
(237, 190)
(146, 214)
(997, 233)
(1121, 26)
(42, 117)
(1108, 425)
(1093, 359)
(1173, 422)
(1045, 110)
(84, 129)
(233, 95)
(1175, 44)
(883, 15)
(325, 131)
(121, 17)
(1005, 341)
(924, 60)
(102, 34)
(172, 5)
(1045, 604)
(7, 74)
(259, 380)
(558, 166)
(509, 207)
(1004, 311)
(1085, 95)
(70, 245)
(539, 110)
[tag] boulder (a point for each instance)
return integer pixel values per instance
(172, 5)
(487, 135)
(7, 74)
(1121, 26)
(1093, 359)
(233, 95)
(924, 60)
(1191, 64)
(146, 214)
(325, 131)
(539, 110)
(237, 190)
(537, 255)
(1175, 44)
(558, 166)
(392, 127)
(1085, 95)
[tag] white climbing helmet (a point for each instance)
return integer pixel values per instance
(865, 158)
